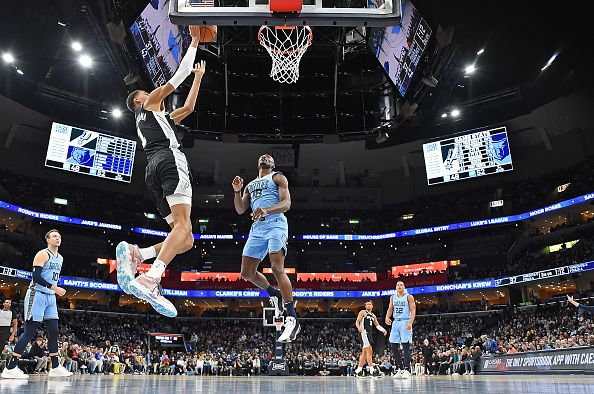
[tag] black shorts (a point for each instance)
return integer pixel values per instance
(169, 180)
(367, 339)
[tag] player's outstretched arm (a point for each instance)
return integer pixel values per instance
(154, 101)
(181, 113)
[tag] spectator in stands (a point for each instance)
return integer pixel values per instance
(37, 353)
(472, 361)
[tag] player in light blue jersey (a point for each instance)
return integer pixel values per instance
(41, 307)
(401, 316)
(268, 197)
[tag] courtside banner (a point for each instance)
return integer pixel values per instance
(571, 359)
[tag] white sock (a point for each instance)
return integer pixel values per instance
(147, 253)
(359, 369)
(157, 269)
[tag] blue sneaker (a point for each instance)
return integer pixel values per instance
(128, 258)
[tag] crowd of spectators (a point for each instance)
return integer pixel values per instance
(443, 344)
(519, 196)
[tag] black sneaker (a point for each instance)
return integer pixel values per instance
(361, 374)
(277, 303)
(292, 328)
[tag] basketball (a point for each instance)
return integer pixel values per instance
(208, 33)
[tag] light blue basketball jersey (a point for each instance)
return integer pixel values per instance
(50, 272)
(264, 194)
(401, 307)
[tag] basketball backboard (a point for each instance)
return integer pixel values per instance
(258, 13)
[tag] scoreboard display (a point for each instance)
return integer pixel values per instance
(467, 156)
(91, 153)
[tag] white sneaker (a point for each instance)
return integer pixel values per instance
(465, 373)
(15, 373)
(59, 372)
(277, 303)
(292, 328)
(398, 374)
(471, 373)
(405, 374)
(455, 374)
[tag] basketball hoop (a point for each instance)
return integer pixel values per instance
(286, 46)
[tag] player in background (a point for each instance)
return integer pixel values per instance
(268, 196)
(41, 308)
(401, 316)
(366, 321)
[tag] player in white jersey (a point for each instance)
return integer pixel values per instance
(168, 179)
(365, 322)
(41, 308)
(401, 316)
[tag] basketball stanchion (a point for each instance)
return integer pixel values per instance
(278, 366)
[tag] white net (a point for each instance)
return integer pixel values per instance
(286, 46)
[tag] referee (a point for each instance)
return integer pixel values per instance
(581, 308)
(8, 318)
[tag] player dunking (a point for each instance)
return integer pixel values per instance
(41, 307)
(403, 310)
(365, 322)
(168, 178)
(268, 196)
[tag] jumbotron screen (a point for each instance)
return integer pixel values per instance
(467, 156)
(158, 41)
(91, 153)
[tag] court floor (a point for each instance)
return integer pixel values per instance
(517, 384)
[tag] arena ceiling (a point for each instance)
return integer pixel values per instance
(518, 39)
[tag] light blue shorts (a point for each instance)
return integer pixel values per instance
(40, 306)
(263, 241)
(399, 333)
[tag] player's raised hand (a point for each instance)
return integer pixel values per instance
(199, 69)
(237, 183)
(195, 32)
(571, 300)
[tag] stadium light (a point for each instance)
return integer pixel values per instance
(455, 113)
(444, 115)
(20, 71)
(480, 51)
(60, 201)
(85, 61)
(551, 60)
(7, 57)
(469, 69)
(76, 46)
(116, 112)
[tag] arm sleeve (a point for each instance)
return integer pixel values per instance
(585, 308)
(38, 279)
(184, 69)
